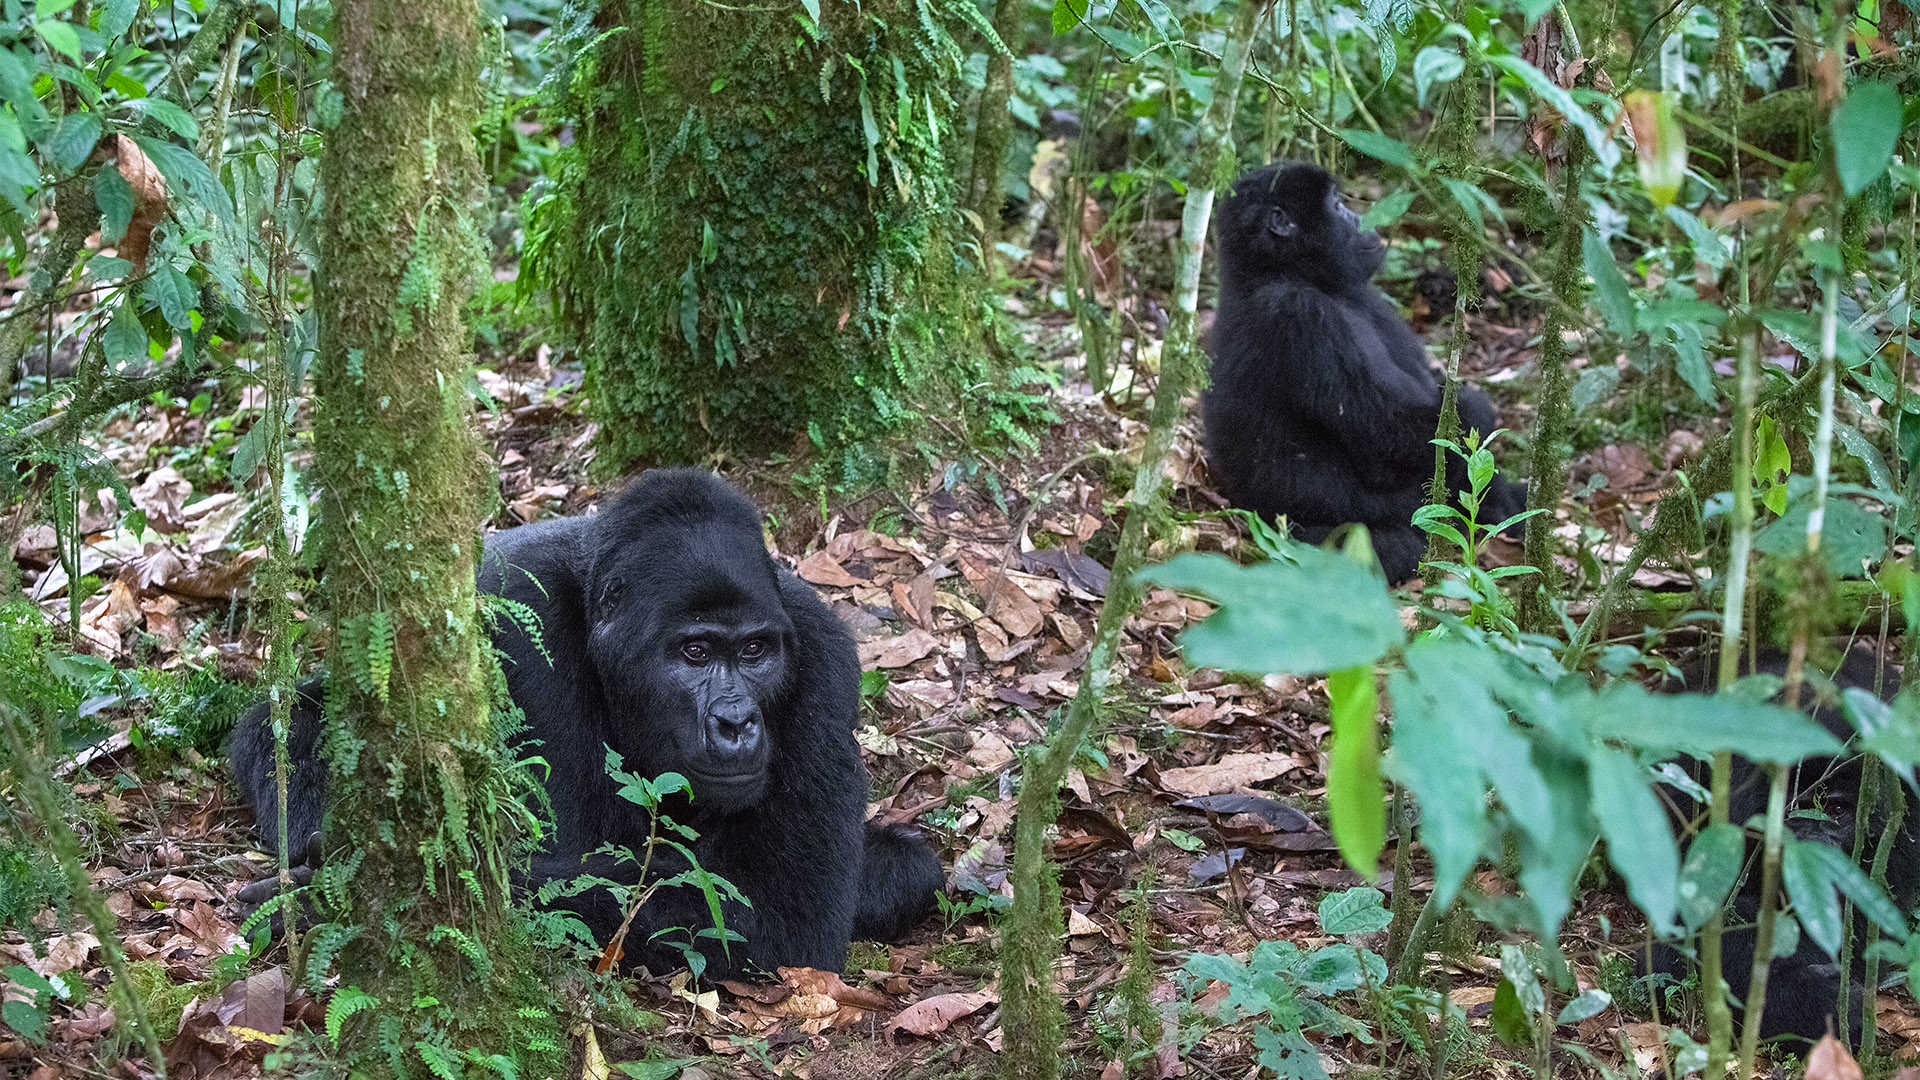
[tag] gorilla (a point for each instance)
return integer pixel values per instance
(1803, 988)
(1323, 404)
(676, 641)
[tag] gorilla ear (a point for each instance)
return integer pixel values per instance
(1280, 223)
(610, 593)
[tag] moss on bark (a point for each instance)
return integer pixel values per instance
(418, 780)
(753, 234)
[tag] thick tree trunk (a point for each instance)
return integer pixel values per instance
(405, 484)
(753, 236)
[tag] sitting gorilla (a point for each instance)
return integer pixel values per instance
(676, 641)
(1803, 988)
(1323, 404)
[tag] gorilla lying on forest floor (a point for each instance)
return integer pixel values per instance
(1803, 987)
(678, 642)
(1323, 404)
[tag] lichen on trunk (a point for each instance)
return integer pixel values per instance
(753, 236)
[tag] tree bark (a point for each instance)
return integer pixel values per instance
(405, 482)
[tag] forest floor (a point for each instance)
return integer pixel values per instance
(972, 600)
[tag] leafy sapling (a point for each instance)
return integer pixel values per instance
(1461, 526)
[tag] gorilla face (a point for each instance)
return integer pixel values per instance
(1288, 220)
(695, 674)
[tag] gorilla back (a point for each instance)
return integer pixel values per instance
(676, 641)
(1323, 403)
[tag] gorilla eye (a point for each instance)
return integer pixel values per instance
(695, 652)
(754, 649)
(1280, 223)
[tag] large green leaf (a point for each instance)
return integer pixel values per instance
(1548, 869)
(1356, 799)
(1638, 844)
(1319, 613)
(1851, 536)
(1702, 724)
(1431, 760)
(1814, 901)
(1865, 128)
(73, 139)
(1709, 873)
(1609, 288)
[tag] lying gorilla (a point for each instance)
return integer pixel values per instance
(1323, 403)
(1803, 987)
(676, 641)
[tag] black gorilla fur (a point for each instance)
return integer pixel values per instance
(677, 641)
(1803, 987)
(1323, 403)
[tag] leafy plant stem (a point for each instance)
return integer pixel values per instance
(1031, 1007)
(36, 783)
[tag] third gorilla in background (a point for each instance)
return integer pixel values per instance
(669, 635)
(1323, 402)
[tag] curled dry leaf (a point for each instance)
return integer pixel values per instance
(149, 201)
(1830, 1061)
(897, 652)
(937, 1014)
(821, 568)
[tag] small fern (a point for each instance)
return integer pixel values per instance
(347, 1001)
(379, 658)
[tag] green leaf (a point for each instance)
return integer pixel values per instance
(1850, 537)
(247, 452)
(73, 140)
(1510, 1021)
(60, 37)
(125, 339)
(1815, 903)
(1701, 724)
(1067, 15)
(1442, 771)
(1605, 151)
(1709, 873)
(177, 120)
(1381, 147)
(1518, 973)
(1865, 127)
(813, 10)
(666, 1068)
(1435, 64)
(1463, 194)
(1772, 465)
(1842, 873)
(1868, 455)
(173, 291)
(115, 198)
(25, 1018)
(1360, 910)
(1319, 613)
(1387, 210)
(1590, 1003)
(116, 16)
(1356, 798)
(1643, 852)
(1609, 288)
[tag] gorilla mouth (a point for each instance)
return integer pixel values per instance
(724, 783)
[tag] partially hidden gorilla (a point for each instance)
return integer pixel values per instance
(1803, 987)
(676, 641)
(1323, 402)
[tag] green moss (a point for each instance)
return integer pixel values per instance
(753, 235)
(164, 999)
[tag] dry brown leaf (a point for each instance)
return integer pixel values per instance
(149, 201)
(990, 752)
(914, 600)
(1830, 1061)
(1230, 772)
(821, 568)
(937, 1014)
(1005, 602)
(897, 652)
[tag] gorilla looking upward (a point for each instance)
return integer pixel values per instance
(676, 641)
(1323, 403)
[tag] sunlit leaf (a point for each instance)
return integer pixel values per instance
(1356, 806)
(1319, 613)
(1709, 873)
(1659, 144)
(1865, 127)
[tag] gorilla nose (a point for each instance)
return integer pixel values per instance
(733, 734)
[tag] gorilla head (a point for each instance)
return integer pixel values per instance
(1288, 219)
(688, 630)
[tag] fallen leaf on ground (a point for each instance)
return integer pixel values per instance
(936, 1014)
(821, 568)
(1830, 1061)
(1230, 772)
(897, 652)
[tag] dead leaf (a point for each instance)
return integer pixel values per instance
(1005, 602)
(936, 1014)
(1829, 1060)
(149, 202)
(990, 752)
(821, 568)
(1230, 772)
(897, 652)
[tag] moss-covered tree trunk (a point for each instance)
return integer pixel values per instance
(405, 486)
(753, 237)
